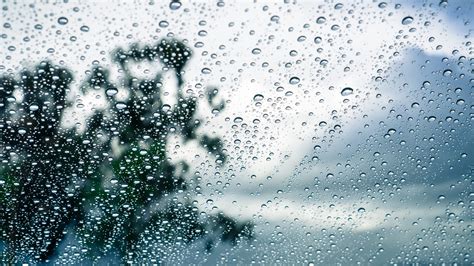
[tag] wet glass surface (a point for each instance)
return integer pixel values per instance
(231, 132)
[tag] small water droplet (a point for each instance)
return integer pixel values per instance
(85, 28)
(33, 107)
(294, 80)
(175, 5)
(407, 20)
(256, 51)
(163, 24)
(111, 91)
(258, 97)
(206, 70)
(347, 91)
(63, 21)
(120, 106)
(321, 20)
(447, 72)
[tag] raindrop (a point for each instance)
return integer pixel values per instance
(206, 70)
(460, 102)
(347, 91)
(238, 119)
(407, 20)
(258, 97)
(447, 72)
(275, 18)
(321, 20)
(33, 107)
(432, 118)
(111, 91)
(294, 80)
(163, 24)
(85, 28)
(63, 21)
(175, 5)
(120, 106)
(256, 51)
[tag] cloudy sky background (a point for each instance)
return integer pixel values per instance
(381, 175)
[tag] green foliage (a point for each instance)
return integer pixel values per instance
(112, 183)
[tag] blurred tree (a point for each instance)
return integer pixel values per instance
(113, 182)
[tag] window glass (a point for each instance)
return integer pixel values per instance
(236, 132)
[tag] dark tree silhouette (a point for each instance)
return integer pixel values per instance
(112, 182)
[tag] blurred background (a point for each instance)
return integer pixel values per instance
(264, 132)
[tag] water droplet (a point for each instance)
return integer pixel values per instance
(361, 210)
(294, 80)
(120, 106)
(382, 5)
(175, 5)
(63, 21)
(111, 91)
(460, 102)
(256, 51)
(415, 105)
(85, 28)
(275, 18)
(33, 107)
(447, 72)
(321, 20)
(163, 24)
(347, 91)
(432, 118)
(238, 119)
(21, 131)
(258, 97)
(206, 70)
(407, 20)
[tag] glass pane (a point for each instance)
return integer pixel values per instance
(236, 132)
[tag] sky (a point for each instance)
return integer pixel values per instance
(382, 175)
